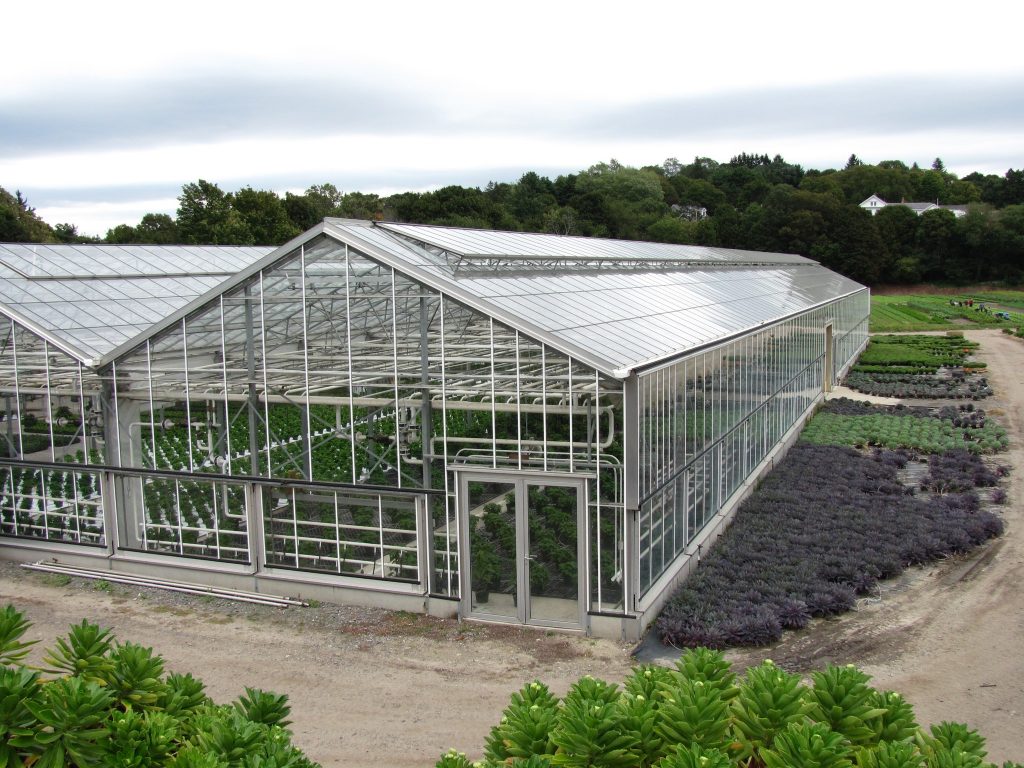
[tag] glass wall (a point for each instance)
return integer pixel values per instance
(707, 421)
(50, 416)
(331, 367)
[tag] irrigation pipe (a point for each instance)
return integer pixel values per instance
(172, 586)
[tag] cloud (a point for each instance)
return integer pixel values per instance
(883, 105)
(212, 110)
(206, 109)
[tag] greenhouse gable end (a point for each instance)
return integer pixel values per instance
(512, 427)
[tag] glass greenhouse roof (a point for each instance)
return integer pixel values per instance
(489, 245)
(91, 299)
(119, 261)
(612, 304)
(619, 305)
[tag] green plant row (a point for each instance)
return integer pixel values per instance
(103, 703)
(903, 369)
(925, 352)
(927, 435)
(700, 715)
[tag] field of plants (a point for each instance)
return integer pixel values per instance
(926, 367)
(891, 314)
(98, 702)
(823, 528)
(701, 715)
(846, 422)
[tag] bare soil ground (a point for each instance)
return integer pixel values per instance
(367, 687)
(372, 688)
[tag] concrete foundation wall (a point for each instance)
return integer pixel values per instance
(302, 586)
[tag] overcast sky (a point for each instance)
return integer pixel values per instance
(108, 108)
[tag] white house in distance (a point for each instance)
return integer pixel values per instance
(874, 204)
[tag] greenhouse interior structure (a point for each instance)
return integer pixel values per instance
(527, 428)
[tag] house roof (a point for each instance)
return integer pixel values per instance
(615, 305)
(917, 207)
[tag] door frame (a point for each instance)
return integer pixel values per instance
(521, 481)
(828, 364)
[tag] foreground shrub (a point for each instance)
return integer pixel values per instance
(111, 705)
(699, 715)
(824, 526)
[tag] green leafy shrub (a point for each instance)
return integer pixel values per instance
(525, 725)
(841, 699)
(111, 705)
(695, 757)
(808, 745)
(771, 720)
(12, 626)
(590, 729)
(769, 700)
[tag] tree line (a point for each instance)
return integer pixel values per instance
(751, 202)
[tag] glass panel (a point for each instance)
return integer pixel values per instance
(56, 505)
(345, 532)
(195, 518)
(552, 563)
(492, 548)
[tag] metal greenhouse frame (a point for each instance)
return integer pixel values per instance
(510, 427)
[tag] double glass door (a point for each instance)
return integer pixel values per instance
(525, 539)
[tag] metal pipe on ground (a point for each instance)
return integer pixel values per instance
(171, 586)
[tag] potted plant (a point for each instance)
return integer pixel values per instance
(485, 567)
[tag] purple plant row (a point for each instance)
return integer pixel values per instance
(926, 386)
(824, 527)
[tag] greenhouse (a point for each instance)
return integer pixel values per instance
(526, 428)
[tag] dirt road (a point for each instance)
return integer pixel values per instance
(370, 688)
(367, 688)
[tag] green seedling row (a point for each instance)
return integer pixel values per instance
(927, 435)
